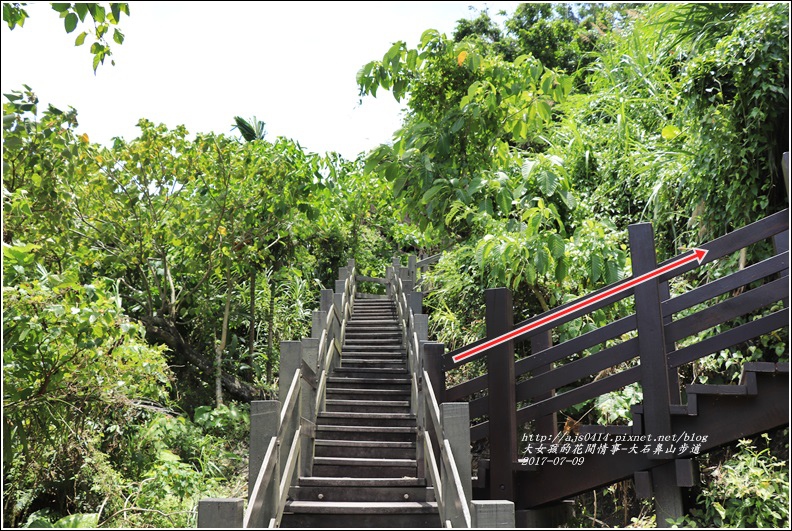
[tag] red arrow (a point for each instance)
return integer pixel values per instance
(698, 255)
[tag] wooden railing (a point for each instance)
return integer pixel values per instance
(648, 336)
(443, 439)
(282, 431)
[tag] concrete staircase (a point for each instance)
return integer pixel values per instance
(364, 469)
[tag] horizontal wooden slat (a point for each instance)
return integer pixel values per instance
(579, 394)
(567, 348)
(729, 338)
(377, 280)
(729, 309)
(479, 407)
(576, 370)
(479, 431)
(465, 389)
(428, 261)
(448, 362)
(733, 242)
(726, 284)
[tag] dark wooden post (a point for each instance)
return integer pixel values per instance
(674, 392)
(548, 424)
(781, 245)
(654, 369)
(433, 365)
(502, 401)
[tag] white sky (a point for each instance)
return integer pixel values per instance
(292, 65)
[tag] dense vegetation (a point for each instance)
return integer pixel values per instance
(147, 284)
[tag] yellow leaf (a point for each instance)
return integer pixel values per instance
(461, 57)
(222, 230)
(84, 137)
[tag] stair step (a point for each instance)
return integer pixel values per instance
(366, 433)
(367, 383)
(382, 328)
(374, 354)
(365, 449)
(342, 393)
(364, 462)
(364, 334)
(364, 507)
(371, 341)
(378, 322)
(359, 467)
(368, 406)
(704, 389)
(351, 381)
(392, 348)
(368, 493)
(373, 392)
(371, 372)
(355, 418)
(319, 481)
(379, 362)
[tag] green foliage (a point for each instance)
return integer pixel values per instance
(751, 489)
(103, 17)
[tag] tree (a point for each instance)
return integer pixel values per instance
(102, 16)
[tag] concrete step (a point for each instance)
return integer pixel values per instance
(370, 342)
(366, 433)
(370, 354)
(367, 449)
(370, 372)
(364, 322)
(342, 393)
(356, 418)
(350, 515)
(361, 467)
(365, 493)
(366, 334)
(368, 406)
(367, 383)
(379, 362)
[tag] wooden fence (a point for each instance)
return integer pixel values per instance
(639, 347)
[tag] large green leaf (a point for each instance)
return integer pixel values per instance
(547, 181)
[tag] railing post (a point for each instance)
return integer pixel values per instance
(455, 422)
(221, 513)
(264, 425)
(421, 329)
(415, 302)
(502, 400)
(433, 365)
(310, 356)
(318, 319)
(492, 513)
(411, 261)
(654, 369)
(389, 281)
(407, 287)
(548, 424)
(326, 300)
(290, 356)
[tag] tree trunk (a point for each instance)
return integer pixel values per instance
(220, 347)
(252, 333)
(162, 331)
(271, 330)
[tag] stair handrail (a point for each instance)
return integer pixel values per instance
(439, 466)
(258, 510)
(332, 337)
(287, 427)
